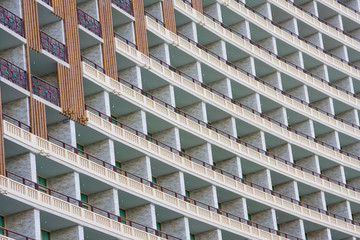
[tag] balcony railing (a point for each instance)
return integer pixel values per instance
(88, 22)
(209, 166)
(45, 90)
(16, 122)
(286, 61)
(13, 235)
(13, 73)
(91, 63)
(347, 6)
(297, 36)
(53, 46)
(154, 18)
(91, 208)
(125, 5)
(322, 20)
(48, 2)
(11, 21)
(125, 40)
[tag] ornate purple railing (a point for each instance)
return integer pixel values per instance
(209, 166)
(295, 35)
(125, 5)
(91, 208)
(13, 235)
(125, 40)
(45, 90)
(283, 59)
(91, 63)
(13, 73)
(11, 21)
(48, 2)
(89, 22)
(53, 46)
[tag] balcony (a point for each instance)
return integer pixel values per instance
(11, 21)
(13, 73)
(92, 64)
(13, 235)
(89, 22)
(125, 5)
(45, 90)
(53, 46)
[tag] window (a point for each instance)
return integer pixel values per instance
(123, 215)
(80, 148)
(150, 137)
(158, 227)
(84, 199)
(182, 151)
(192, 236)
(2, 224)
(154, 179)
(118, 165)
(114, 118)
(42, 184)
(45, 235)
(187, 194)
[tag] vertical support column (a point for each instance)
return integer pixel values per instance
(99, 101)
(23, 165)
(107, 200)
(64, 131)
(202, 152)
(169, 15)
(76, 232)
(144, 214)
(103, 149)
(169, 136)
(38, 118)
(209, 235)
(108, 37)
(140, 27)
(31, 26)
(237, 207)
(197, 5)
(29, 224)
(206, 195)
(178, 227)
(68, 184)
(295, 228)
(174, 181)
(139, 166)
(266, 218)
(320, 234)
(2, 148)
(136, 120)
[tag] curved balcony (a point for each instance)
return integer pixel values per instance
(45, 90)
(89, 22)
(125, 5)
(91, 208)
(13, 235)
(53, 46)
(209, 166)
(13, 73)
(11, 21)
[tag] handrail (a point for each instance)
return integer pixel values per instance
(89, 22)
(297, 36)
(90, 207)
(159, 187)
(13, 73)
(53, 46)
(347, 6)
(16, 122)
(117, 35)
(12, 21)
(14, 235)
(281, 58)
(93, 64)
(322, 20)
(212, 167)
(45, 90)
(125, 5)
(154, 18)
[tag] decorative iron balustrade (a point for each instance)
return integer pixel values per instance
(13, 73)
(125, 5)
(89, 22)
(45, 90)
(53, 46)
(11, 21)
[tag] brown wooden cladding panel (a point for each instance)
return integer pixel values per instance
(70, 79)
(31, 24)
(107, 30)
(38, 118)
(197, 5)
(58, 6)
(140, 27)
(2, 149)
(169, 15)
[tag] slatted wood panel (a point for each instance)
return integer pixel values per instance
(58, 6)
(38, 118)
(2, 149)
(197, 5)
(31, 24)
(70, 79)
(107, 30)
(140, 27)
(169, 15)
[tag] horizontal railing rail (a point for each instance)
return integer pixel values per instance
(13, 73)
(154, 18)
(281, 58)
(14, 235)
(53, 46)
(89, 207)
(347, 6)
(45, 90)
(92, 64)
(16, 122)
(212, 167)
(11, 21)
(125, 40)
(89, 22)
(125, 5)
(323, 20)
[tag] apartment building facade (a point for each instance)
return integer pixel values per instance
(179, 119)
